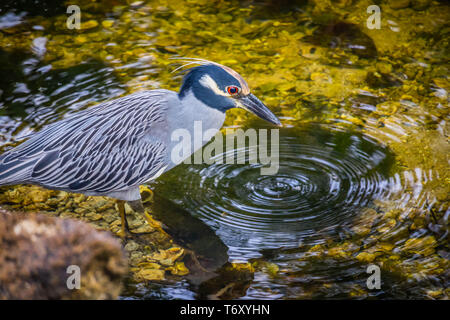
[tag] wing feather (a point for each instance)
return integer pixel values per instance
(102, 149)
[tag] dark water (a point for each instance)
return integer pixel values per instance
(325, 176)
(34, 94)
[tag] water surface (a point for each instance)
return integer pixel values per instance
(364, 172)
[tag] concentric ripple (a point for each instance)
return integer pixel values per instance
(325, 175)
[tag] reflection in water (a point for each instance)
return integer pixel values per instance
(38, 95)
(326, 195)
(325, 176)
(33, 8)
(194, 235)
(210, 274)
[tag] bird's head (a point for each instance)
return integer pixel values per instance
(222, 88)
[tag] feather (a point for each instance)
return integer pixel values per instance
(98, 150)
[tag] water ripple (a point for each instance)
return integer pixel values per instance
(325, 175)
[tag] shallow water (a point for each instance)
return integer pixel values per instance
(325, 176)
(329, 178)
(363, 176)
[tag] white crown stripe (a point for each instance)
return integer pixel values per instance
(190, 61)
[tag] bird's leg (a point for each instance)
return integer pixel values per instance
(137, 206)
(155, 224)
(124, 223)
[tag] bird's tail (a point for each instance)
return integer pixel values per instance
(14, 170)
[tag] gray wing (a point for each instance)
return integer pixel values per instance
(108, 147)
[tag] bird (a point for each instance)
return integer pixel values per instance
(112, 148)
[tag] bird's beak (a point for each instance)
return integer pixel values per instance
(254, 105)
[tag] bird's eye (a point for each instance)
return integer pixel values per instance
(232, 90)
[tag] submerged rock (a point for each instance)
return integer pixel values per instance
(232, 282)
(37, 251)
(399, 4)
(347, 41)
(89, 25)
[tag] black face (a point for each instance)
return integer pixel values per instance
(217, 88)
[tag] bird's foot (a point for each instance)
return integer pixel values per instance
(195, 261)
(157, 225)
(146, 194)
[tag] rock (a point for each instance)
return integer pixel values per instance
(96, 217)
(384, 67)
(435, 294)
(363, 223)
(178, 269)
(337, 252)
(38, 195)
(91, 24)
(80, 39)
(381, 80)
(136, 3)
(420, 5)
(37, 251)
(167, 257)
(320, 77)
(268, 267)
(424, 246)
(149, 274)
(110, 217)
(366, 257)
(344, 3)
(136, 258)
(399, 4)
(145, 228)
(107, 23)
(386, 226)
(339, 35)
(131, 246)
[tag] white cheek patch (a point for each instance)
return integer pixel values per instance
(209, 82)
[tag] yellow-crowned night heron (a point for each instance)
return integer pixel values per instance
(112, 148)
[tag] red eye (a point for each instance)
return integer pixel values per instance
(232, 90)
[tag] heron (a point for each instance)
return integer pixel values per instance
(112, 148)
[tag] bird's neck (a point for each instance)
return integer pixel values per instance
(193, 110)
(194, 121)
